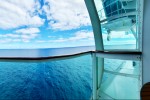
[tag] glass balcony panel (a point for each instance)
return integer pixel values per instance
(119, 24)
(122, 66)
(121, 79)
(119, 87)
(118, 40)
(49, 79)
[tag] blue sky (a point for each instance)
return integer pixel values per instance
(45, 24)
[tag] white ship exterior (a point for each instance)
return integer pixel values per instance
(113, 17)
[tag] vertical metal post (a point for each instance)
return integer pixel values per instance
(95, 24)
(98, 63)
(140, 23)
(97, 74)
(95, 81)
(140, 37)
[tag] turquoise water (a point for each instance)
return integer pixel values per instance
(61, 79)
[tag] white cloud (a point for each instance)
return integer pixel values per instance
(83, 35)
(28, 31)
(51, 36)
(16, 40)
(80, 35)
(16, 13)
(66, 14)
(7, 40)
(21, 35)
(40, 41)
(28, 37)
(121, 34)
(27, 34)
(10, 35)
(61, 15)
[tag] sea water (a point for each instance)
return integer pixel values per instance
(59, 79)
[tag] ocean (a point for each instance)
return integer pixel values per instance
(57, 51)
(59, 79)
(45, 52)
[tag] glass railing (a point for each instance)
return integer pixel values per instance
(117, 68)
(122, 66)
(120, 24)
(69, 77)
(119, 87)
(121, 79)
(49, 78)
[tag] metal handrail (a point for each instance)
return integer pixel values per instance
(129, 55)
(58, 57)
(124, 55)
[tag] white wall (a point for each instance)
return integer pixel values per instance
(146, 42)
